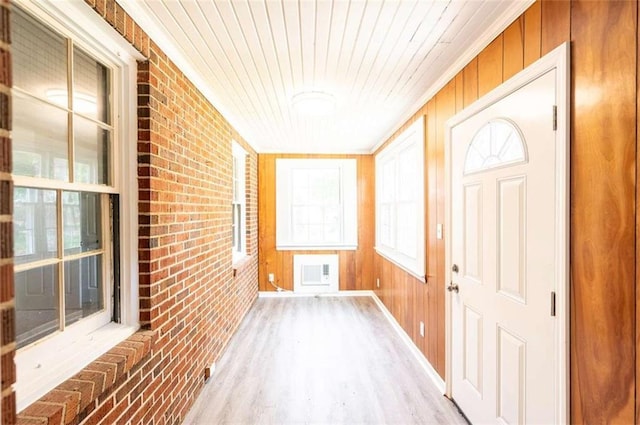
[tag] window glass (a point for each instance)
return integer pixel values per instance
(400, 198)
(83, 288)
(91, 152)
(37, 305)
(238, 201)
(40, 144)
(497, 143)
(60, 255)
(82, 220)
(91, 87)
(316, 203)
(34, 225)
(39, 58)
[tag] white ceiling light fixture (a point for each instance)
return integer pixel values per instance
(313, 103)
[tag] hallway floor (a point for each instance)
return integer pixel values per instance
(329, 360)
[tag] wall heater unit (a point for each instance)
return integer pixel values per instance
(315, 274)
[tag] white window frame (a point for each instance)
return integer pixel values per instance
(238, 175)
(411, 138)
(348, 196)
(47, 363)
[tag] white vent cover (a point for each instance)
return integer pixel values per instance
(315, 273)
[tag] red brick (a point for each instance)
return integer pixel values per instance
(52, 412)
(188, 295)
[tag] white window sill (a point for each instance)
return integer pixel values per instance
(239, 257)
(45, 365)
(383, 253)
(316, 248)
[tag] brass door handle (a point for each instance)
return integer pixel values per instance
(453, 287)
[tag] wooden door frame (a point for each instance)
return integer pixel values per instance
(558, 59)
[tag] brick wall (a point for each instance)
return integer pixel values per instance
(191, 297)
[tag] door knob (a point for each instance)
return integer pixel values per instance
(454, 268)
(453, 287)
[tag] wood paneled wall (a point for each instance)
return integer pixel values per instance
(604, 196)
(356, 267)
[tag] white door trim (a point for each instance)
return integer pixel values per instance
(557, 59)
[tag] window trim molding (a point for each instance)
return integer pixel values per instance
(38, 365)
(414, 134)
(349, 193)
(239, 153)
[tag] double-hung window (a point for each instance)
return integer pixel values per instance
(69, 118)
(316, 204)
(239, 237)
(62, 161)
(400, 200)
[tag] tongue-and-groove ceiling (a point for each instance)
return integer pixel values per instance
(380, 60)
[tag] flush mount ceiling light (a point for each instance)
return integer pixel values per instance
(313, 103)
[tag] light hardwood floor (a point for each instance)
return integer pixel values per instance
(329, 360)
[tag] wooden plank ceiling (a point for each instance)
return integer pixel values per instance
(377, 59)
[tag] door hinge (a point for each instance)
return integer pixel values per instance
(555, 117)
(553, 303)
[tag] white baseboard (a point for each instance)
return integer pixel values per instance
(291, 294)
(422, 361)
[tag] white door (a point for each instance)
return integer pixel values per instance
(503, 230)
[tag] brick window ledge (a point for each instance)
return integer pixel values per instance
(73, 400)
(240, 265)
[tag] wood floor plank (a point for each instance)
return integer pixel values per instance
(319, 360)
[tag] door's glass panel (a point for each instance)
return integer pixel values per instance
(92, 147)
(82, 222)
(40, 147)
(34, 225)
(39, 59)
(497, 143)
(83, 288)
(90, 86)
(37, 306)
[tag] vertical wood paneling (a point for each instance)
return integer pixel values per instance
(459, 91)
(513, 49)
(602, 209)
(637, 300)
(490, 67)
(366, 227)
(445, 109)
(432, 242)
(556, 18)
(532, 38)
(604, 206)
(356, 267)
(470, 81)
(266, 221)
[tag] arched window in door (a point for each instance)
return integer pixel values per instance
(498, 143)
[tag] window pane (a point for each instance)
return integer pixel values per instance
(237, 227)
(37, 313)
(497, 143)
(92, 146)
(34, 225)
(91, 86)
(407, 174)
(407, 222)
(324, 186)
(300, 182)
(83, 288)
(82, 222)
(39, 59)
(40, 147)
